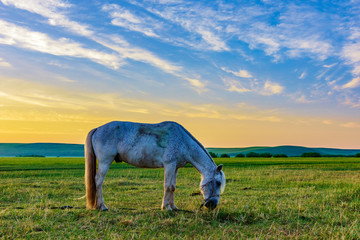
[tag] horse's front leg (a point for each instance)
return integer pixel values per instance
(169, 188)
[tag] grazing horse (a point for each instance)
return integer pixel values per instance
(165, 145)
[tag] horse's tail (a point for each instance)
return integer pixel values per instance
(90, 172)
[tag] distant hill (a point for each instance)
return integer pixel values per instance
(77, 150)
(291, 151)
(45, 149)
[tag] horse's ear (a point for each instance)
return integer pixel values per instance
(218, 169)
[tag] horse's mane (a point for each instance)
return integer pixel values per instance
(198, 143)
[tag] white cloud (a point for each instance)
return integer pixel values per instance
(51, 10)
(209, 26)
(235, 86)
(240, 73)
(12, 34)
(295, 34)
(329, 65)
(270, 44)
(21, 99)
(316, 47)
(214, 40)
(356, 70)
(4, 63)
(351, 101)
(302, 76)
(302, 99)
(271, 88)
(64, 47)
(351, 53)
(124, 18)
(354, 83)
(198, 20)
(198, 85)
(138, 54)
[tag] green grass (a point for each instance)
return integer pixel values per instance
(290, 198)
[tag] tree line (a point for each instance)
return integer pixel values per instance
(277, 155)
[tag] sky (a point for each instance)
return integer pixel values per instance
(234, 73)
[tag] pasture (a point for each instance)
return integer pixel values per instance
(289, 198)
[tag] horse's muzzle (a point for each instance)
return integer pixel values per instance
(212, 203)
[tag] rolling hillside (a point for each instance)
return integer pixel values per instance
(288, 150)
(77, 150)
(45, 149)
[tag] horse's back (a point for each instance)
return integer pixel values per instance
(139, 144)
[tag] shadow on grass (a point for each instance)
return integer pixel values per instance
(213, 216)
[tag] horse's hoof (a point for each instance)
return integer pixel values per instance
(103, 208)
(167, 207)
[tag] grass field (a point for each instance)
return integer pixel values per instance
(264, 199)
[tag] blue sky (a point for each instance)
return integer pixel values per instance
(267, 65)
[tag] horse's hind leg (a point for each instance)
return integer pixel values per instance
(171, 200)
(104, 165)
(169, 188)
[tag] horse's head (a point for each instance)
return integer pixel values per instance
(211, 189)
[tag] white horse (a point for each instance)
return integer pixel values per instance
(165, 145)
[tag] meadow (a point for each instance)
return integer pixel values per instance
(292, 198)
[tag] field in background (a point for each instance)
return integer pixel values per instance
(77, 150)
(264, 198)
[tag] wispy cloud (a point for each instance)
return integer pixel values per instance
(352, 101)
(302, 76)
(21, 99)
(4, 63)
(123, 49)
(240, 73)
(51, 10)
(268, 88)
(235, 85)
(302, 99)
(216, 43)
(73, 105)
(271, 88)
(198, 85)
(281, 31)
(329, 65)
(127, 51)
(125, 18)
(354, 83)
(351, 53)
(15, 35)
(200, 21)
(295, 34)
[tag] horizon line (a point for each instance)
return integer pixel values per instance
(205, 147)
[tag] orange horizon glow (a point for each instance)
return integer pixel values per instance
(60, 115)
